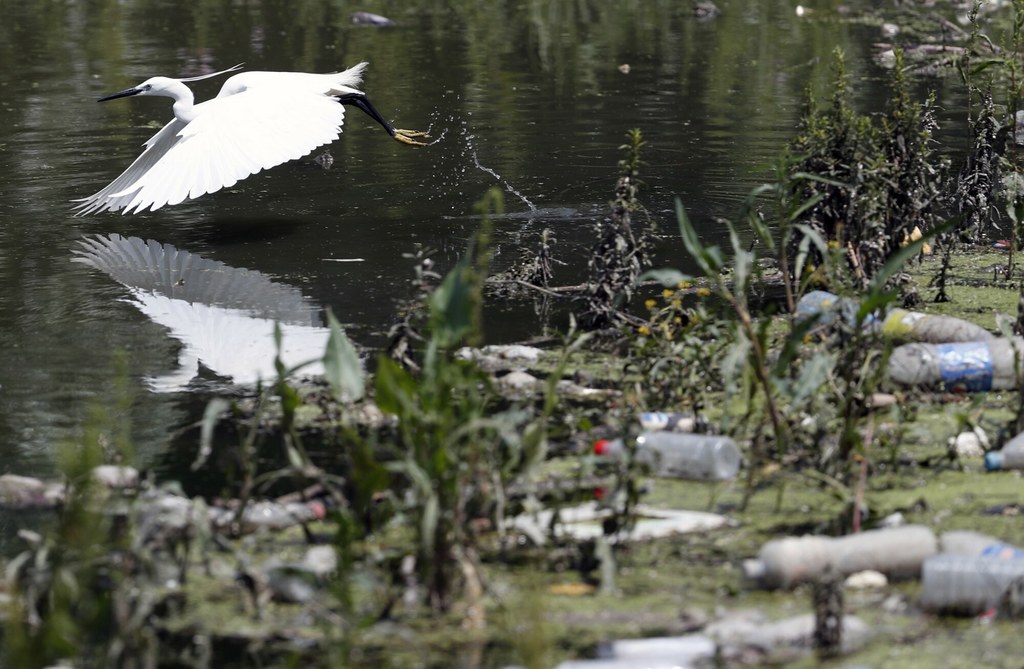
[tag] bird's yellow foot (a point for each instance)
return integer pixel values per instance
(406, 136)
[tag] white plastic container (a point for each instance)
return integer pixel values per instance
(1011, 456)
(964, 584)
(896, 552)
(699, 457)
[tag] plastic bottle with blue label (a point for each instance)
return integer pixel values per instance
(960, 366)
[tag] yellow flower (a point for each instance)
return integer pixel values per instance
(650, 304)
(833, 244)
(683, 285)
(703, 292)
(644, 330)
(667, 293)
(677, 304)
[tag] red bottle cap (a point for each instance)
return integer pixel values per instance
(600, 447)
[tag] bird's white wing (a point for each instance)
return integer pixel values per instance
(156, 147)
(230, 139)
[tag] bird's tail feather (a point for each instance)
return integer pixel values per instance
(351, 77)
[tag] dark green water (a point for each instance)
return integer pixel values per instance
(526, 95)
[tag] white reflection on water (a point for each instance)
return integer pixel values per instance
(223, 316)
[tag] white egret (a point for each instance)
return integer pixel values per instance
(257, 121)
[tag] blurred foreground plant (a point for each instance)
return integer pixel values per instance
(80, 590)
(458, 444)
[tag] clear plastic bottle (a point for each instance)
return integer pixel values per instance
(678, 455)
(1010, 457)
(965, 584)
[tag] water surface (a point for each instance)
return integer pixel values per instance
(529, 96)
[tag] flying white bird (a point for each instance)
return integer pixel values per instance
(257, 121)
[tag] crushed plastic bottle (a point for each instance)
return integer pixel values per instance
(965, 584)
(896, 552)
(1011, 456)
(965, 366)
(677, 455)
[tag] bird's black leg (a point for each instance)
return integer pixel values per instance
(363, 103)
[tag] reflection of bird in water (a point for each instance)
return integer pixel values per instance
(224, 316)
(257, 121)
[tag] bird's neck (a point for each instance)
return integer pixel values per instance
(184, 102)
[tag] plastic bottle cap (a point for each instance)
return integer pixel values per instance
(600, 447)
(993, 460)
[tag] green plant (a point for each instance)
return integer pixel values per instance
(457, 447)
(80, 589)
(620, 254)
(876, 180)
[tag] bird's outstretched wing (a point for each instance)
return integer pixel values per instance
(156, 147)
(230, 139)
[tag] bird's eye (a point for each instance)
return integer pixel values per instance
(147, 87)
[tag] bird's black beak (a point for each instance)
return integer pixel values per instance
(123, 94)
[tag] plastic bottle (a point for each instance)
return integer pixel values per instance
(1011, 456)
(653, 421)
(916, 326)
(269, 515)
(896, 552)
(976, 544)
(898, 323)
(965, 584)
(700, 457)
(965, 366)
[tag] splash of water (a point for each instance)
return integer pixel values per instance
(499, 179)
(466, 150)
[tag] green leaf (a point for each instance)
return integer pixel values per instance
(813, 374)
(708, 259)
(342, 366)
(428, 526)
(211, 416)
(742, 261)
(452, 305)
(794, 343)
(395, 388)
(808, 204)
